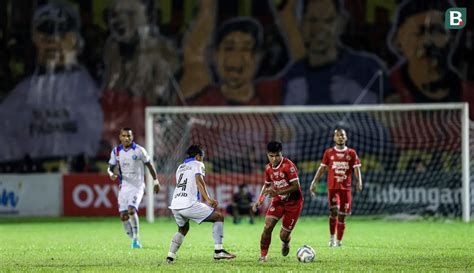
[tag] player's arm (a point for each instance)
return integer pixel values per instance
(294, 186)
(358, 176)
(156, 182)
(314, 184)
(263, 192)
(356, 165)
(201, 185)
(111, 172)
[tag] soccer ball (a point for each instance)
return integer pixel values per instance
(305, 254)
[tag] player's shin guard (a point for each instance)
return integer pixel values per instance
(128, 228)
(218, 234)
(135, 225)
(341, 226)
(265, 244)
(332, 225)
(176, 242)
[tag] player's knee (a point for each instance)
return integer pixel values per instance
(131, 211)
(184, 229)
(334, 212)
(124, 217)
(341, 218)
(268, 229)
(219, 217)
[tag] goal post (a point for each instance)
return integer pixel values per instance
(415, 157)
(466, 207)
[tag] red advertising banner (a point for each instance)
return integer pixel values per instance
(89, 195)
(96, 195)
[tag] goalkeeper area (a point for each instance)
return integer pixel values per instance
(415, 157)
(99, 245)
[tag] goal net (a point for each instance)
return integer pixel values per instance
(415, 158)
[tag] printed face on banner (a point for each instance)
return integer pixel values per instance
(236, 59)
(321, 28)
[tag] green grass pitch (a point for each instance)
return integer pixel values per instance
(99, 244)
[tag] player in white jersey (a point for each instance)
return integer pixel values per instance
(186, 205)
(130, 158)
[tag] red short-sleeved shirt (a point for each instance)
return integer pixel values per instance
(281, 177)
(340, 164)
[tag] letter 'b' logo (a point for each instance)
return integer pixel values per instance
(455, 18)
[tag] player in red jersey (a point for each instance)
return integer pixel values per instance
(282, 184)
(340, 160)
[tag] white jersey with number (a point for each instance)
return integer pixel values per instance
(186, 192)
(132, 164)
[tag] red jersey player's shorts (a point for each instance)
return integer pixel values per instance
(341, 199)
(289, 210)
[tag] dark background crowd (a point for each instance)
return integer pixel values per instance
(72, 73)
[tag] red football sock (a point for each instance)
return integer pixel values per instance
(332, 225)
(341, 226)
(265, 244)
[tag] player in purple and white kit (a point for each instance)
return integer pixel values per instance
(130, 158)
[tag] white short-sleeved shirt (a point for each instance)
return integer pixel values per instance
(132, 164)
(186, 192)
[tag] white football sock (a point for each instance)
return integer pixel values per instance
(218, 234)
(176, 242)
(128, 228)
(135, 225)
